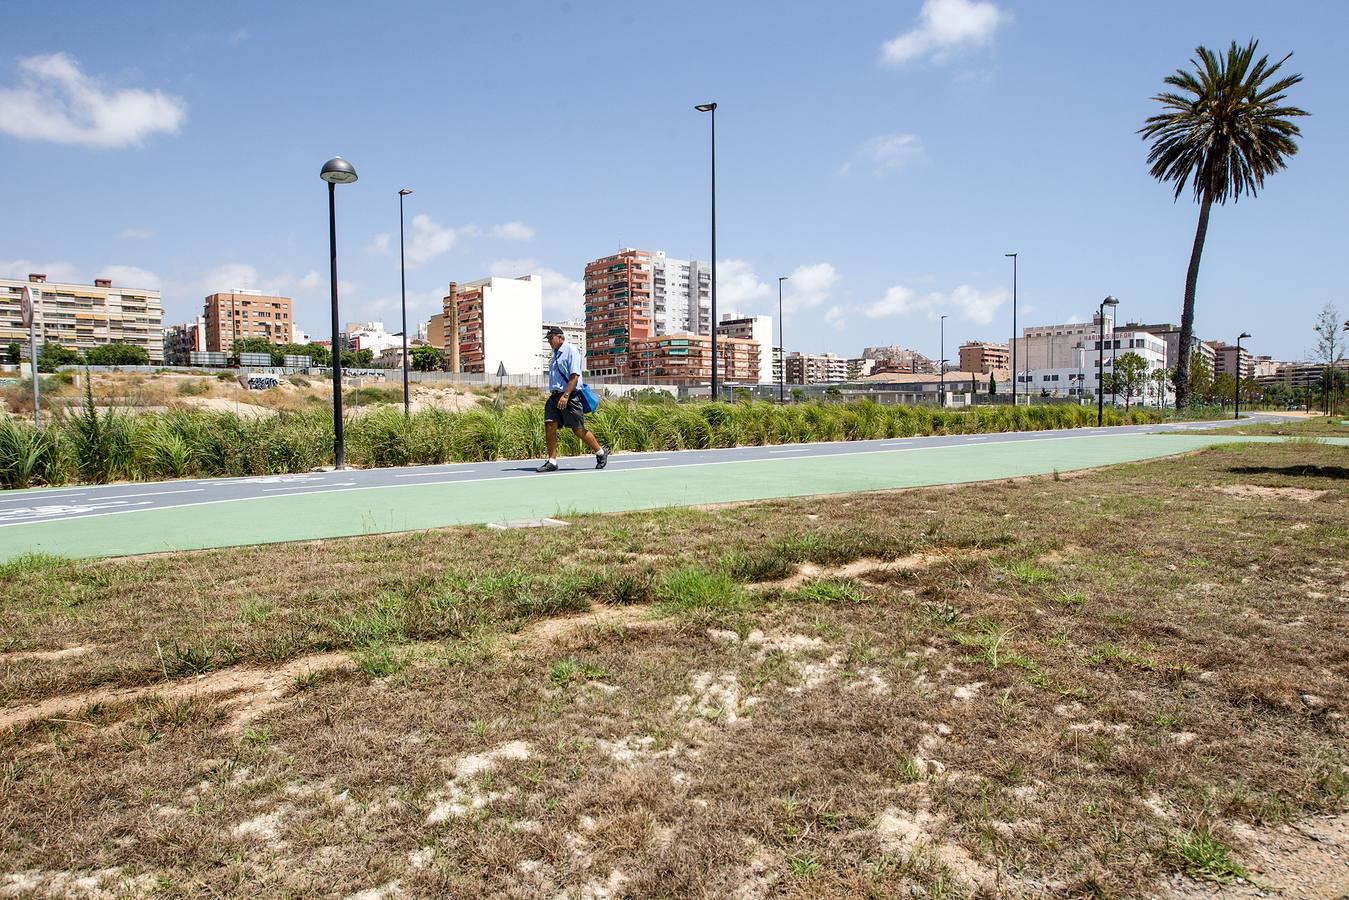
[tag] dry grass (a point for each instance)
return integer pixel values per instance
(1025, 688)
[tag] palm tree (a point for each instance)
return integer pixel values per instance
(1223, 131)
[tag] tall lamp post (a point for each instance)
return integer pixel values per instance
(712, 108)
(782, 347)
(1100, 360)
(336, 171)
(403, 271)
(941, 362)
(1236, 399)
(1013, 256)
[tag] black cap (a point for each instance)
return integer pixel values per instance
(554, 330)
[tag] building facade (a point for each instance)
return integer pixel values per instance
(985, 357)
(81, 316)
(751, 328)
(1078, 378)
(495, 322)
(618, 309)
(688, 357)
(181, 341)
(370, 336)
(681, 295)
(821, 368)
(1170, 333)
(574, 332)
(1227, 360)
(235, 315)
(899, 359)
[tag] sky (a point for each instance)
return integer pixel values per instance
(883, 155)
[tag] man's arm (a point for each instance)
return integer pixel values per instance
(566, 391)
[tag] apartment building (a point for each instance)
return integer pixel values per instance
(1300, 375)
(1055, 346)
(1076, 376)
(984, 357)
(81, 316)
(681, 295)
(181, 341)
(822, 368)
(370, 336)
(860, 368)
(494, 322)
(751, 328)
(618, 309)
(1228, 360)
(1170, 333)
(688, 357)
(238, 314)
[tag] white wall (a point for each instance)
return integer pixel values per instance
(512, 320)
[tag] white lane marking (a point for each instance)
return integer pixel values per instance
(279, 479)
(435, 474)
(105, 496)
(796, 450)
(24, 514)
(598, 473)
(27, 497)
(318, 488)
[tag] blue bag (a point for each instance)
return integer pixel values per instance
(588, 399)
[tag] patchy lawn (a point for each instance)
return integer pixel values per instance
(1108, 684)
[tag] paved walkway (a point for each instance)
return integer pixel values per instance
(180, 515)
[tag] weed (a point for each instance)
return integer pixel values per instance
(1110, 654)
(1075, 599)
(1204, 856)
(1028, 572)
(192, 659)
(257, 737)
(694, 589)
(381, 661)
(804, 866)
(566, 671)
(32, 563)
(830, 590)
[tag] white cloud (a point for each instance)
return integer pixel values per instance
(808, 286)
(431, 239)
(310, 281)
(57, 102)
(237, 38)
(971, 303)
(513, 231)
(834, 316)
(945, 26)
(379, 243)
(737, 285)
(886, 153)
(1074, 319)
(422, 305)
(131, 276)
(563, 297)
(136, 234)
(65, 272)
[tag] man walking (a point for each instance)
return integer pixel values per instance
(563, 406)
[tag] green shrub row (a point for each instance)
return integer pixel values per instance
(99, 447)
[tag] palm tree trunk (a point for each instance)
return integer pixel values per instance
(1187, 313)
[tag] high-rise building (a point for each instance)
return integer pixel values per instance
(181, 341)
(1053, 346)
(618, 309)
(1171, 335)
(681, 297)
(985, 357)
(751, 328)
(81, 316)
(684, 356)
(494, 322)
(1226, 361)
(238, 314)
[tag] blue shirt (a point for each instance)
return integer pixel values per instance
(566, 363)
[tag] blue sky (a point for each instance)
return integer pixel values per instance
(886, 155)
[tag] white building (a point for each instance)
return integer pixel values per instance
(681, 295)
(1078, 377)
(82, 316)
(1053, 346)
(498, 322)
(370, 336)
(754, 328)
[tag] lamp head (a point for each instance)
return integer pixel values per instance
(338, 171)
(1244, 334)
(705, 107)
(1110, 301)
(404, 192)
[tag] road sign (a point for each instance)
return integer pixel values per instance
(26, 305)
(501, 369)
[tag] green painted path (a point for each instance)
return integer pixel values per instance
(376, 510)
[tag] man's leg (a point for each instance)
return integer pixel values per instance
(550, 435)
(587, 437)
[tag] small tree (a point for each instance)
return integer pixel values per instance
(1329, 349)
(1224, 389)
(1131, 373)
(13, 353)
(1161, 379)
(992, 384)
(52, 356)
(427, 358)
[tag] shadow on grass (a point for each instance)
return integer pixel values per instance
(1301, 471)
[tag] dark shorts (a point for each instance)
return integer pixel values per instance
(571, 417)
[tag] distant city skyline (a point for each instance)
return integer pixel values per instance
(887, 172)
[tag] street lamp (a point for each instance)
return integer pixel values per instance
(712, 108)
(941, 364)
(782, 347)
(1013, 256)
(1100, 360)
(1236, 399)
(336, 171)
(403, 269)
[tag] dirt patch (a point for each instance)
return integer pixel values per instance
(250, 691)
(1261, 492)
(442, 398)
(562, 628)
(1308, 860)
(222, 404)
(860, 568)
(45, 655)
